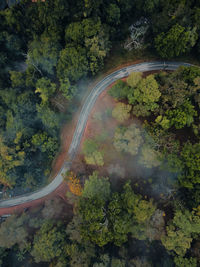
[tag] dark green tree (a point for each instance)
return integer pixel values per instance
(72, 63)
(176, 41)
(49, 242)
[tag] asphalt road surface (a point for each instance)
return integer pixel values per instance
(86, 109)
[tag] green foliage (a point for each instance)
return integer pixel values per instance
(129, 213)
(119, 217)
(80, 255)
(92, 154)
(73, 40)
(149, 157)
(78, 31)
(46, 89)
(140, 262)
(96, 187)
(121, 112)
(96, 158)
(68, 90)
(72, 63)
(74, 32)
(175, 91)
(181, 116)
(105, 259)
(17, 79)
(180, 231)
(134, 78)
(13, 231)
(113, 14)
(190, 156)
(176, 41)
(119, 90)
(9, 159)
(146, 92)
(89, 146)
(11, 45)
(185, 262)
(98, 47)
(174, 162)
(143, 210)
(111, 221)
(93, 36)
(118, 263)
(163, 122)
(44, 53)
(94, 226)
(3, 254)
(188, 74)
(128, 139)
(49, 118)
(145, 96)
(49, 242)
(45, 143)
(23, 118)
(44, 19)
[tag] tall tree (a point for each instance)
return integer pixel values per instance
(180, 231)
(121, 112)
(13, 231)
(96, 187)
(49, 242)
(46, 89)
(9, 160)
(72, 63)
(176, 41)
(149, 157)
(43, 53)
(145, 96)
(128, 139)
(93, 155)
(134, 78)
(119, 90)
(190, 158)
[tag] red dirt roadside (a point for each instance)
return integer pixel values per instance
(59, 192)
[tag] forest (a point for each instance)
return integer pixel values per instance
(134, 190)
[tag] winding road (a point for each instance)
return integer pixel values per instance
(81, 124)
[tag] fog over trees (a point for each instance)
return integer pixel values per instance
(133, 196)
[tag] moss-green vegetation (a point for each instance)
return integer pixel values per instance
(164, 140)
(147, 212)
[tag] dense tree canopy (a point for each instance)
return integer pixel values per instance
(125, 213)
(128, 139)
(72, 63)
(119, 91)
(121, 112)
(48, 51)
(176, 41)
(13, 231)
(92, 153)
(180, 231)
(44, 53)
(96, 187)
(49, 242)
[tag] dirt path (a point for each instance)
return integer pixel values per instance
(59, 192)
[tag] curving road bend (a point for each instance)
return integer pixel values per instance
(85, 111)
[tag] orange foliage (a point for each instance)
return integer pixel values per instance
(74, 183)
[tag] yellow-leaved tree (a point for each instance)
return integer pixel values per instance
(74, 183)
